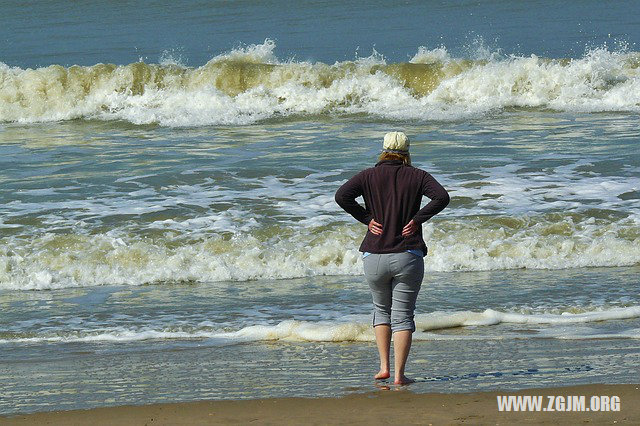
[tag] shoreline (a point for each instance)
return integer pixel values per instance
(381, 407)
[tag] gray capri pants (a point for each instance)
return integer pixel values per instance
(395, 280)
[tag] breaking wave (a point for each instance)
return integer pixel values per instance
(551, 241)
(250, 84)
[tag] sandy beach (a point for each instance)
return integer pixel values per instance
(383, 407)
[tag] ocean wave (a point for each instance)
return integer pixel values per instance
(549, 241)
(250, 84)
(353, 331)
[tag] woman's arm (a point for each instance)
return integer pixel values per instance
(346, 198)
(439, 199)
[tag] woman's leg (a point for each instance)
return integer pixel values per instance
(405, 287)
(401, 347)
(378, 277)
(383, 340)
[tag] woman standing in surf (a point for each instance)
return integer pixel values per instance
(393, 248)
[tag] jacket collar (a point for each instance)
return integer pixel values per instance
(390, 163)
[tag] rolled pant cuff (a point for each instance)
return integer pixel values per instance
(401, 327)
(381, 319)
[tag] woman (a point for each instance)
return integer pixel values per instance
(393, 246)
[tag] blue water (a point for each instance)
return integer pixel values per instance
(86, 33)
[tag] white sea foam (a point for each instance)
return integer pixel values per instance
(570, 214)
(492, 317)
(509, 189)
(342, 331)
(250, 84)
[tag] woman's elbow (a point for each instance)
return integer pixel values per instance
(444, 198)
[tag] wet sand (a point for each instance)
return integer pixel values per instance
(384, 407)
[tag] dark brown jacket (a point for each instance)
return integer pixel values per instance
(392, 195)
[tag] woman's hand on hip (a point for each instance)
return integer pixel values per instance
(410, 228)
(375, 227)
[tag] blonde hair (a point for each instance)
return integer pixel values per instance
(405, 158)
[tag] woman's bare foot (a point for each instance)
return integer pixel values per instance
(403, 380)
(382, 374)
